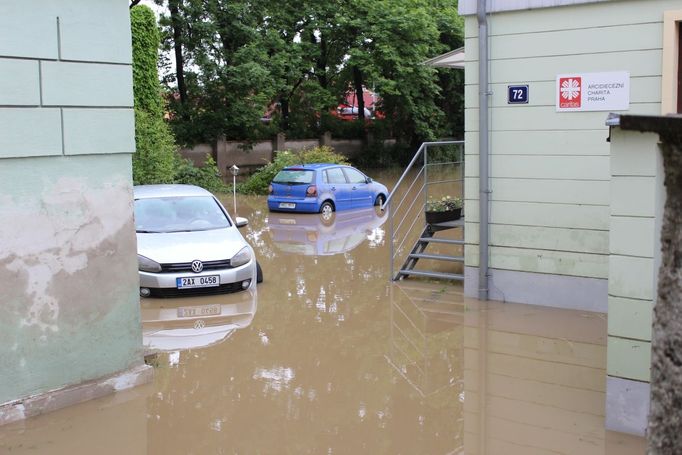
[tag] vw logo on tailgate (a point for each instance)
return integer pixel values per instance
(197, 266)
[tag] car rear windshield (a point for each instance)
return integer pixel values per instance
(179, 214)
(294, 176)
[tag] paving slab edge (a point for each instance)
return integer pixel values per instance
(53, 400)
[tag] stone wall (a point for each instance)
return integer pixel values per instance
(250, 156)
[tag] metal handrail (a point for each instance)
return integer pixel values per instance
(421, 152)
(414, 159)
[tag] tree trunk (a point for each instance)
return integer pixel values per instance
(359, 92)
(321, 64)
(665, 418)
(177, 46)
(284, 106)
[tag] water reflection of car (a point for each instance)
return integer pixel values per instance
(187, 323)
(323, 188)
(187, 243)
(317, 235)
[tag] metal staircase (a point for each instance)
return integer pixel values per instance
(436, 170)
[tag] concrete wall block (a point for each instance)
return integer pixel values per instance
(28, 132)
(631, 277)
(197, 154)
(629, 359)
(98, 131)
(644, 89)
(20, 82)
(301, 144)
(619, 38)
(96, 31)
(532, 142)
(633, 196)
(85, 84)
(640, 63)
(627, 405)
(579, 293)
(28, 29)
(630, 318)
(634, 153)
(631, 236)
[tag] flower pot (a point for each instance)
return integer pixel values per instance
(442, 217)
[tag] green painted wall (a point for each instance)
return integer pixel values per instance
(636, 204)
(564, 201)
(69, 310)
(550, 172)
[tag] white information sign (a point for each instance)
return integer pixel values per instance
(593, 92)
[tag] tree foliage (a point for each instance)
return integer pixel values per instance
(297, 60)
(156, 159)
(259, 181)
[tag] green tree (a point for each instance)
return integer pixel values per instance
(155, 158)
(241, 58)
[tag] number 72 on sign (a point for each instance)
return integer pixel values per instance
(517, 94)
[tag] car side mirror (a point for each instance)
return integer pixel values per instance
(369, 180)
(240, 221)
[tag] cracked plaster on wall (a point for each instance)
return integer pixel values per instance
(53, 234)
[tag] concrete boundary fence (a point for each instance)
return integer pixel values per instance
(251, 156)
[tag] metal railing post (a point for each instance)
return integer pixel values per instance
(391, 239)
(426, 176)
(391, 208)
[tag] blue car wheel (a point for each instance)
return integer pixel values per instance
(327, 214)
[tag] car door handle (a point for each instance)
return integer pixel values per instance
(354, 188)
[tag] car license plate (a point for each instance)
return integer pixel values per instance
(194, 311)
(287, 205)
(206, 281)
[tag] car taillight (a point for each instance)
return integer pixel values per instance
(269, 189)
(311, 191)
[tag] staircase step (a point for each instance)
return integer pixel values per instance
(439, 240)
(437, 257)
(443, 275)
(449, 224)
(415, 289)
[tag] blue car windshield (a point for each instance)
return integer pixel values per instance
(178, 214)
(294, 176)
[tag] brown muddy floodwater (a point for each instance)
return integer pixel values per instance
(329, 358)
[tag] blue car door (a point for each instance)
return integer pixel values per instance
(361, 194)
(339, 187)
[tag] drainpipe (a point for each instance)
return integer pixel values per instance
(483, 148)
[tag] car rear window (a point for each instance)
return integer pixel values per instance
(179, 214)
(294, 176)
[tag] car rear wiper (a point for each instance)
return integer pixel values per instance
(148, 232)
(289, 183)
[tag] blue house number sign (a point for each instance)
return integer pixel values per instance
(517, 94)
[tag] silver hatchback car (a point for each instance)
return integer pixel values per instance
(187, 244)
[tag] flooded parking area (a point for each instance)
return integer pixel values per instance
(328, 357)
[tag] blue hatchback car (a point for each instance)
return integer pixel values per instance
(323, 188)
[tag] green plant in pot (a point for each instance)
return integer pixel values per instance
(440, 210)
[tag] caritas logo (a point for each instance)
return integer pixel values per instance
(570, 92)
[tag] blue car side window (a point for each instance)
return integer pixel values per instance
(335, 175)
(355, 176)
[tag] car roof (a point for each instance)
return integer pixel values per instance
(155, 191)
(313, 166)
